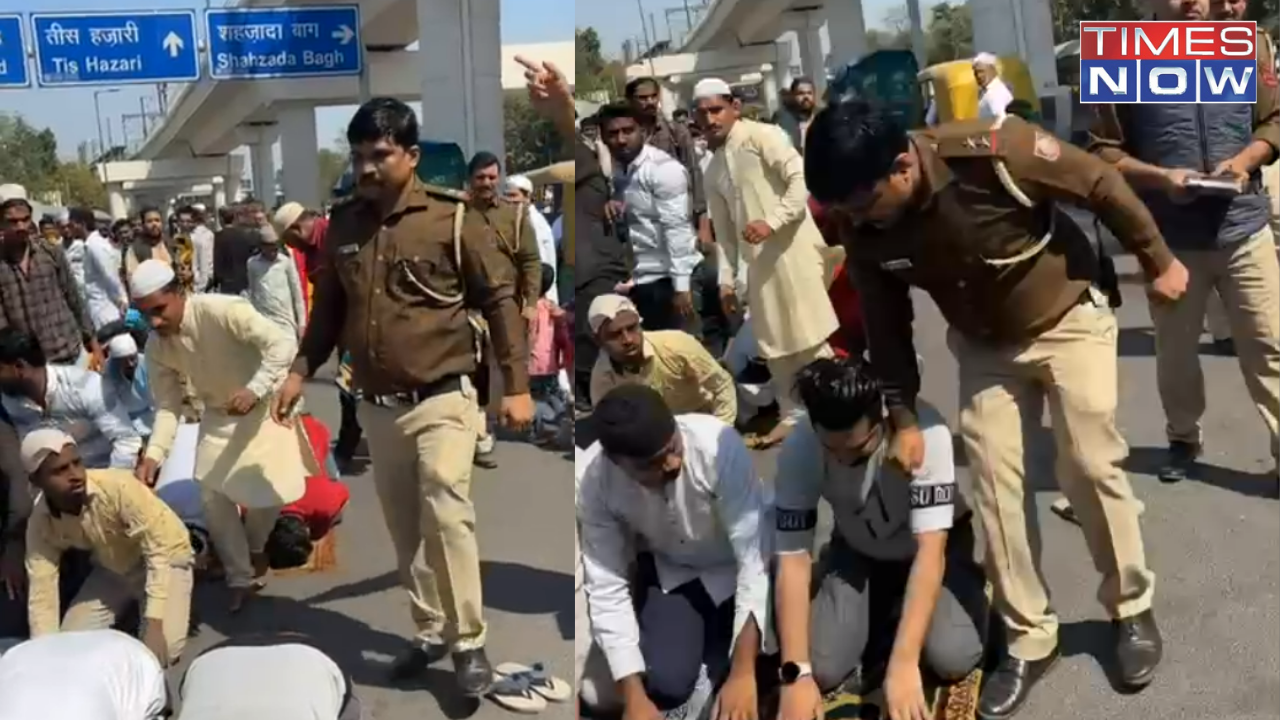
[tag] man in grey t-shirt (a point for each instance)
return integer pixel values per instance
(901, 555)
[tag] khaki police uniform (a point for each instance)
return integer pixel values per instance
(1015, 278)
(395, 290)
(1247, 277)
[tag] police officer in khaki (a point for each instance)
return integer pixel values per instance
(968, 212)
(402, 265)
(508, 230)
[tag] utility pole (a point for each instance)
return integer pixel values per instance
(643, 25)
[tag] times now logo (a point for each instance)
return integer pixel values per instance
(1168, 62)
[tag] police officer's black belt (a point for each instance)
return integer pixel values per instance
(443, 386)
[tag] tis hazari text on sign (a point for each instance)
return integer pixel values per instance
(1168, 62)
(284, 42)
(115, 48)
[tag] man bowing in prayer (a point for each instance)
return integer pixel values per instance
(234, 359)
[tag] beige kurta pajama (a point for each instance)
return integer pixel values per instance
(758, 175)
(247, 461)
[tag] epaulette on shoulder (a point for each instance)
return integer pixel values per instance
(445, 192)
(966, 139)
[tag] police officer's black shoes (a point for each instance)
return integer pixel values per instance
(1139, 649)
(1009, 685)
(473, 672)
(1180, 463)
(415, 661)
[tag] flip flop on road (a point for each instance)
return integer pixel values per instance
(539, 680)
(515, 693)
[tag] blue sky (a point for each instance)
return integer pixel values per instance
(69, 112)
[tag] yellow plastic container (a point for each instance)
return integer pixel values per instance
(956, 91)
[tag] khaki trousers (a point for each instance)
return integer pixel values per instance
(422, 459)
(236, 539)
(784, 370)
(1002, 393)
(105, 596)
(1247, 277)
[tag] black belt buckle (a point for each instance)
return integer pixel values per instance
(452, 383)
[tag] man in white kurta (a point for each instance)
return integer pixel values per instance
(759, 208)
(235, 359)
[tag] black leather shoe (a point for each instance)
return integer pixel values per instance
(1139, 649)
(415, 661)
(473, 672)
(1180, 463)
(1009, 685)
(485, 461)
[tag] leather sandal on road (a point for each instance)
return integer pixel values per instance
(540, 681)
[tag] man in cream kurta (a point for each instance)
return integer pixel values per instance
(759, 207)
(235, 360)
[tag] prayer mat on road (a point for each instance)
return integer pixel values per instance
(958, 701)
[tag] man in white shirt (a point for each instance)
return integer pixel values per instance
(275, 288)
(904, 539)
(37, 394)
(652, 193)
(191, 223)
(267, 677)
(103, 288)
(993, 95)
(89, 675)
(519, 190)
(686, 488)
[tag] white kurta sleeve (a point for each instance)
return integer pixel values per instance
(781, 160)
(168, 395)
(726, 236)
(671, 199)
(605, 562)
(277, 348)
(740, 507)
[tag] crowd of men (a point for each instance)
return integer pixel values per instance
(698, 587)
(152, 434)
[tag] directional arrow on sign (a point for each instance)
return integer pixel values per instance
(173, 43)
(343, 34)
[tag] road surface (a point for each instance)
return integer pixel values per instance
(357, 612)
(1214, 544)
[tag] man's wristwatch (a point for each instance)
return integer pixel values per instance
(791, 672)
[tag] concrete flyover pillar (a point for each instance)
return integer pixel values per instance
(299, 159)
(460, 56)
(814, 62)
(117, 204)
(264, 170)
(769, 88)
(219, 198)
(847, 31)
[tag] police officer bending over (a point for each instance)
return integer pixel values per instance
(904, 539)
(967, 212)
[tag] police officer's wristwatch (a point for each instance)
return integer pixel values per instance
(792, 672)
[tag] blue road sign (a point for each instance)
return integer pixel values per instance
(295, 42)
(115, 48)
(13, 53)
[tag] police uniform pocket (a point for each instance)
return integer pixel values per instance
(419, 279)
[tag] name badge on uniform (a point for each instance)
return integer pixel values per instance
(896, 265)
(351, 249)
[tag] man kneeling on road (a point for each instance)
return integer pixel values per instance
(901, 553)
(686, 487)
(142, 551)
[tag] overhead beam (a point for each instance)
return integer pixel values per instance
(186, 169)
(706, 62)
